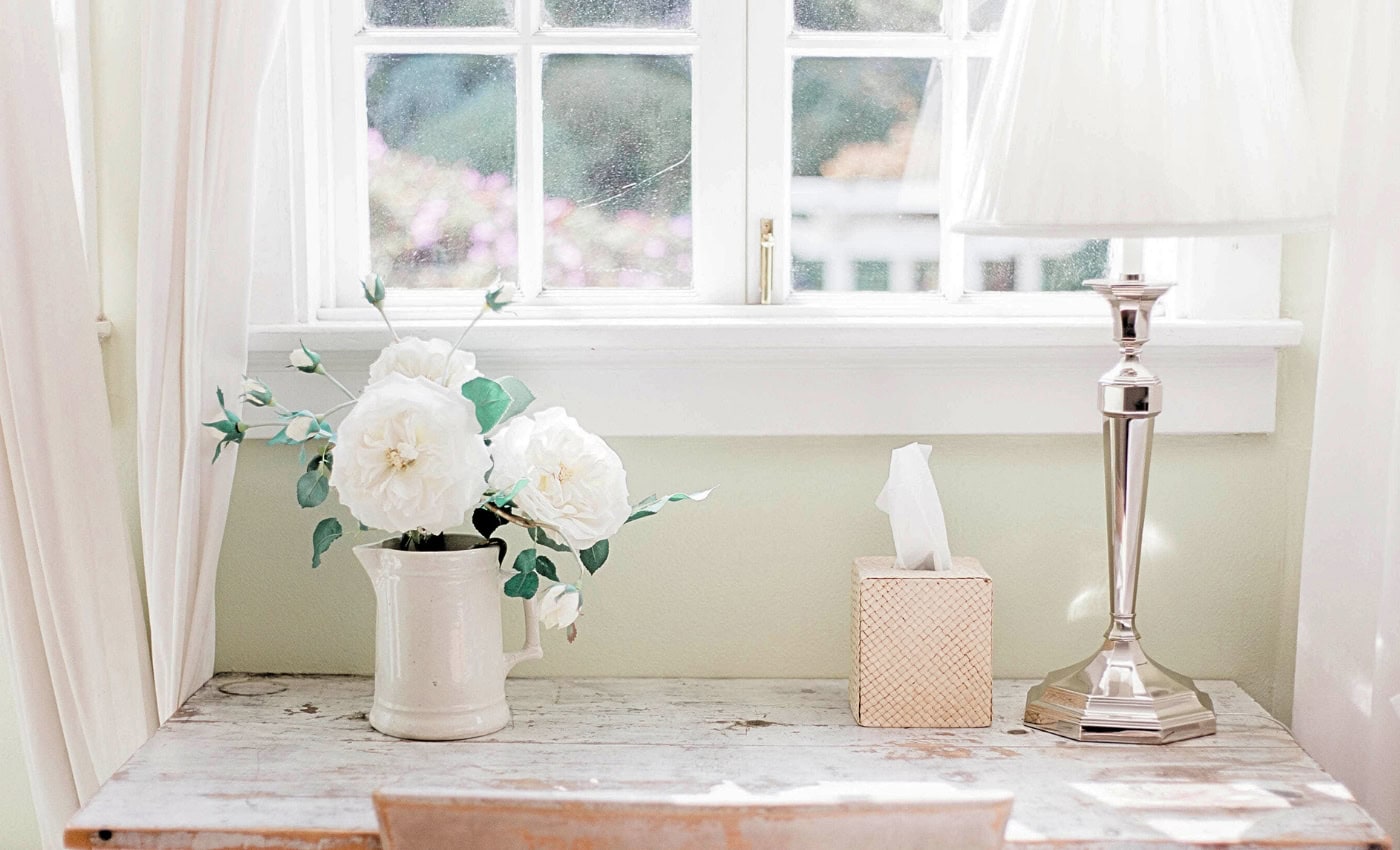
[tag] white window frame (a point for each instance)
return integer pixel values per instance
(710, 360)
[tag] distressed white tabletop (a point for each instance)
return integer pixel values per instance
(290, 762)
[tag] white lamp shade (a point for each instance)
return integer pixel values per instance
(1104, 118)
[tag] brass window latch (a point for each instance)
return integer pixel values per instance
(765, 261)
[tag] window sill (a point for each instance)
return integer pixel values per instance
(738, 373)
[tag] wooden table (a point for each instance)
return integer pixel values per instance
(290, 762)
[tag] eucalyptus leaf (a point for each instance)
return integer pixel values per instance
(520, 396)
(490, 400)
(525, 561)
(486, 522)
(594, 556)
(652, 504)
(312, 489)
(540, 537)
(546, 568)
(505, 497)
(523, 585)
(327, 532)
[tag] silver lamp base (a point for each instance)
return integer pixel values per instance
(1120, 695)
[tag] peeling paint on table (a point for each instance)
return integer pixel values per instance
(291, 763)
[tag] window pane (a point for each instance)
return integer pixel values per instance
(440, 13)
(865, 160)
(441, 169)
(1025, 265)
(985, 15)
(617, 171)
(631, 14)
(868, 15)
(1006, 264)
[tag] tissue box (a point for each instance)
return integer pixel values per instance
(921, 645)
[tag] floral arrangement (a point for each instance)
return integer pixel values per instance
(430, 441)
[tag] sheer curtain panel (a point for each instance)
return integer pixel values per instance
(203, 69)
(1347, 691)
(68, 593)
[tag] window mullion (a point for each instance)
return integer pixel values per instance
(952, 247)
(529, 154)
(769, 95)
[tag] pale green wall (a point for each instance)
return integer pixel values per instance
(755, 582)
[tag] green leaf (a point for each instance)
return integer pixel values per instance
(525, 561)
(312, 489)
(523, 585)
(505, 497)
(545, 567)
(230, 426)
(373, 287)
(327, 532)
(594, 556)
(538, 535)
(520, 396)
(321, 458)
(489, 398)
(486, 522)
(652, 504)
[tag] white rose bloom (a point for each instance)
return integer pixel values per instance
(409, 456)
(559, 606)
(300, 359)
(576, 483)
(425, 358)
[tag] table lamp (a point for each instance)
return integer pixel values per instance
(1131, 119)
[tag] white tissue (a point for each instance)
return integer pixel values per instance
(916, 514)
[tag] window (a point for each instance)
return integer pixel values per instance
(603, 146)
(579, 147)
(616, 158)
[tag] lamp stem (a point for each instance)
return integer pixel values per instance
(1119, 693)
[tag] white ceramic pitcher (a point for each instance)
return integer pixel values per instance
(439, 665)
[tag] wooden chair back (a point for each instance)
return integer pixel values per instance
(820, 818)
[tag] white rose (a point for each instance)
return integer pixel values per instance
(299, 358)
(409, 456)
(575, 482)
(425, 358)
(559, 606)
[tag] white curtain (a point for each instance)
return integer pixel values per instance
(1347, 692)
(68, 592)
(204, 67)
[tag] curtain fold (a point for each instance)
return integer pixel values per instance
(203, 69)
(1347, 686)
(68, 588)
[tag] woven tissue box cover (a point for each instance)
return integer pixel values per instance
(921, 645)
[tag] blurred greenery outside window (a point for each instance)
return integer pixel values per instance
(442, 157)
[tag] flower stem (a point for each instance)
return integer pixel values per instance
(458, 344)
(388, 324)
(523, 522)
(338, 407)
(343, 388)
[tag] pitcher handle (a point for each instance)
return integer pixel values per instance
(532, 648)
